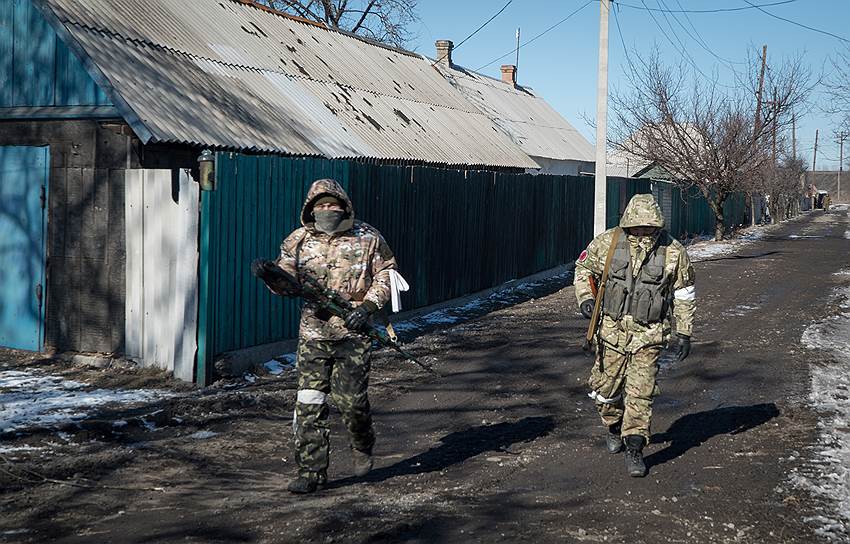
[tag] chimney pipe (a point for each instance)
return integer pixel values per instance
(444, 52)
(509, 74)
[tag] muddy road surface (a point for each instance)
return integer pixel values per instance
(504, 447)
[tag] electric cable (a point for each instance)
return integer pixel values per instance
(562, 21)
(683, 51)
(715, 10)
(477, 30)
(760, 7)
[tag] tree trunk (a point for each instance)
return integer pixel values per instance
(716, 204)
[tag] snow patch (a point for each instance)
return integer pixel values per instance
(509, 293)
(827, 474)
(706, 248)
(203, 435)
(742, 309)
(281, 364)
(32, 398)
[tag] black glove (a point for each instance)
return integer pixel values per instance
(681, 346)
(261, 268)
(358, 317)
(586, 308)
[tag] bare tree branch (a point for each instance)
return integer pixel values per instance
(701, 136)
(386, 21)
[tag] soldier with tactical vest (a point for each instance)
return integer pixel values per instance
(351, 258)
(647, 276)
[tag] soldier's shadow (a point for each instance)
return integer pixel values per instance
(692, 430)
(459, 446)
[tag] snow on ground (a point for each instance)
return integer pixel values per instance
(281, 364)
(31, 398)
(508, 293)
(827, 475)
(704, 249)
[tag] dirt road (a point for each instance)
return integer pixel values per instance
(505, 447)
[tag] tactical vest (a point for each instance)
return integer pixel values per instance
(644, 297)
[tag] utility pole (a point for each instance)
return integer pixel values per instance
(841, 137)
(814, 169)
(815, 157)
(794, 135)
(774, 106)
(599, 190)
(758, 96)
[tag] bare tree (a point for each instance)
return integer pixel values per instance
(838, 89)
(386, 21)
(701, 135)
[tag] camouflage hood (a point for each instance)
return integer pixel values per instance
(320, 188)
(642, 211)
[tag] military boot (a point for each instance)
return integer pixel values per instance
(613, 441)
(362, 461)
(307, 482)
(634, 456)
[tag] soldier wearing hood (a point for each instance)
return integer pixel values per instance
(350, 257)
(649, 278)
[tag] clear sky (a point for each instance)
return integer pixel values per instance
(561, 65)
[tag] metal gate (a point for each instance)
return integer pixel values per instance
(23, 226)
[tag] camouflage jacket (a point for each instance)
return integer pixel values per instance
(355, 262)
(626, 335)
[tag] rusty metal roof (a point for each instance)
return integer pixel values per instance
(227, 74)
(523, 116)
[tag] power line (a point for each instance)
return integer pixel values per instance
(562, 21)
(716, 10)
(700, 40)
(683, 51)
(761, 6)
(477, 30)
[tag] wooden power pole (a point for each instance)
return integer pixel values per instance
(757, 125)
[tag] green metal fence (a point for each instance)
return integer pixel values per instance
(454, 232)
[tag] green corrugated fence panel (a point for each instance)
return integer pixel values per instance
(453, 232)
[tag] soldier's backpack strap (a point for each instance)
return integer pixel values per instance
(603, 280)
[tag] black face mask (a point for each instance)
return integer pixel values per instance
(328, 221)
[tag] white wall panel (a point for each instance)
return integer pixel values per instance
(162, 269)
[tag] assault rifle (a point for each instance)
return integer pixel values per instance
(327, 299)
(599, 293)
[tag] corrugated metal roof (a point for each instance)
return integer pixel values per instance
(525, 117)
(223, 73)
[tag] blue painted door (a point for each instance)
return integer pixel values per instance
(23, 227)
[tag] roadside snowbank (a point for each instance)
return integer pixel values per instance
(827, 474)
(31, 398)
(705, 249)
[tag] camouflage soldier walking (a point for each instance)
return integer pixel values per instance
(649, 274)
(352, 258)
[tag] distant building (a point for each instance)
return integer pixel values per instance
(828, 180)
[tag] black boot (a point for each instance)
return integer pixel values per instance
(307, 482)
(613, 441)
(362, 461)
(634, 456)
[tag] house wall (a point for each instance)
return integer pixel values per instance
(85, 230)
(556, 167)
(37, 69)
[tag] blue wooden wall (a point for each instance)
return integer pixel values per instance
(36, 68)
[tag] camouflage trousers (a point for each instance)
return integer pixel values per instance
(623, 386)
(340, 369)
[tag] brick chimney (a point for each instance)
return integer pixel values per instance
(444, 52)
(509, 74)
